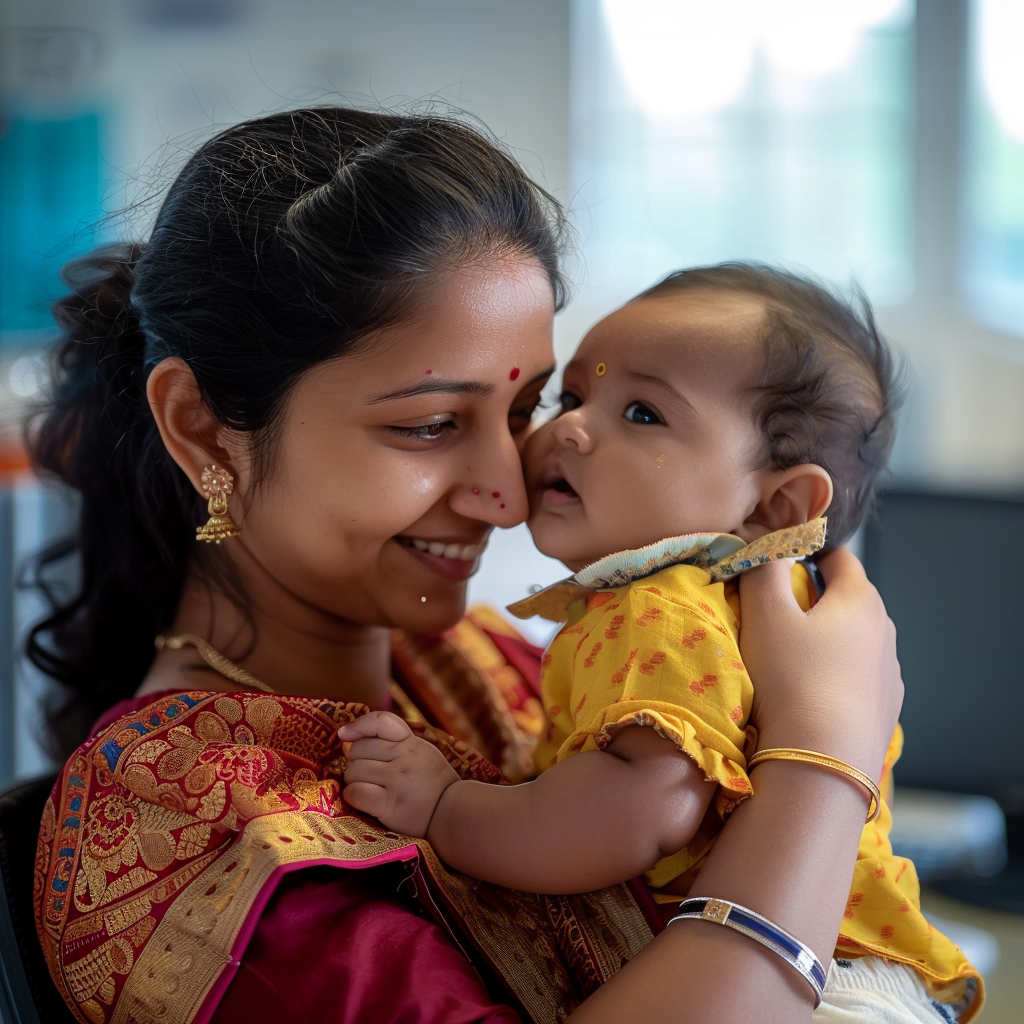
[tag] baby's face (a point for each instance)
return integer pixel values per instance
(656, 435)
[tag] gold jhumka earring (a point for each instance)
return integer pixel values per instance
(218, 484)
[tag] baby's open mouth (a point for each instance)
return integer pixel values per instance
(562, 486)
(556, 488)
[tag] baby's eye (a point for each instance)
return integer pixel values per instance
(567, 401)
(637, 412)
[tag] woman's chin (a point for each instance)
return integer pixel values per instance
(436, 614)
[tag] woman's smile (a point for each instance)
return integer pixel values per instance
(451, 559)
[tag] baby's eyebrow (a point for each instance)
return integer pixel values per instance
(660, 382)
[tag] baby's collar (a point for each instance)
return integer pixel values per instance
(721, 554)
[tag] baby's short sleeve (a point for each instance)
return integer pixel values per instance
(661, 653)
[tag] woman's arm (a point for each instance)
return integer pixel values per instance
(825, 680)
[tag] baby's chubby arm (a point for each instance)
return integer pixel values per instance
(595, 819)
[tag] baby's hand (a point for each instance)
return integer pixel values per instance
(392, 774)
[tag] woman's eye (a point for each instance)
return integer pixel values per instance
(426, 431)
(637, 412)
(567, 401)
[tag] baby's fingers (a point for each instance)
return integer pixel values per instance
(371, 748)
(366, 797)
(376, 723)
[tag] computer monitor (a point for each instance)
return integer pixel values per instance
(950, 568)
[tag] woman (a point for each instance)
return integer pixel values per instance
(332, 345)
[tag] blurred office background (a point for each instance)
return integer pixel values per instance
(870, 141)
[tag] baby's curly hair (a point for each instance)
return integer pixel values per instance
(829, 386)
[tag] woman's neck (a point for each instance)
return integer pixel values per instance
(289, 647)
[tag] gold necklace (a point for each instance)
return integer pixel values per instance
(237, 674)
(214, 659)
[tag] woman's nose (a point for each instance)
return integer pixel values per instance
(492, 489)
(573, 428)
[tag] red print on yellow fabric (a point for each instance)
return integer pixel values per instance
(701, 686)
(648, 667)
(618, 677)
(588, 662)
(694, 637)
(614, 626)
(648, 615)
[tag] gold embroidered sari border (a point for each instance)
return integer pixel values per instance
(195, 942)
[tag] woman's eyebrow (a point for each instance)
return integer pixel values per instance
(435, 385)
(438, 385)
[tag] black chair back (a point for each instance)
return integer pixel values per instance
(27, 993)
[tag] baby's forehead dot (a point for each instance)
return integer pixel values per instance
(514, 374)
(430, 371)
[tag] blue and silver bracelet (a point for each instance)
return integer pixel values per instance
(760, 929)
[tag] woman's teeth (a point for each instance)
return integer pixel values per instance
(459, 552)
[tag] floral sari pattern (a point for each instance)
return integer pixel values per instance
(169, 829)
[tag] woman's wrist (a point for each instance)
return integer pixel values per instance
(802, 828)
(860, 748)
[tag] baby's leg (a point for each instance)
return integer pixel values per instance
(876, 991)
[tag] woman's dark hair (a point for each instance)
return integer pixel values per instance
(829, 385)
(283, 242)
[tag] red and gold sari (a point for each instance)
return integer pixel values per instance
(171, 849)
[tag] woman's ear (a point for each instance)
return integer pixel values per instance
(190, 432)
(790, 497)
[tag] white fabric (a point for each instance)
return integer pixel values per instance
(875, 991)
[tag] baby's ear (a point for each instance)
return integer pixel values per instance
(789, 497)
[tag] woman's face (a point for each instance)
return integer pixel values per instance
(394, 463)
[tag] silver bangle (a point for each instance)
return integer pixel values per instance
(760, 929)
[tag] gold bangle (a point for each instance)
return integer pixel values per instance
(813, 757)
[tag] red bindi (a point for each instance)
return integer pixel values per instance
(502, 505)
(430, 371)
(476, 490)
(514, 374)
(496, 494)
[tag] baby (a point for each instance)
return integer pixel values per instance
(705, 427)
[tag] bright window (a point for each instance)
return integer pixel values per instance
(778, 130)
(992, 269)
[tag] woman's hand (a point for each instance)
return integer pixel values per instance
(827, 679)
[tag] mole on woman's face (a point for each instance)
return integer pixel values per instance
(388, 478)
